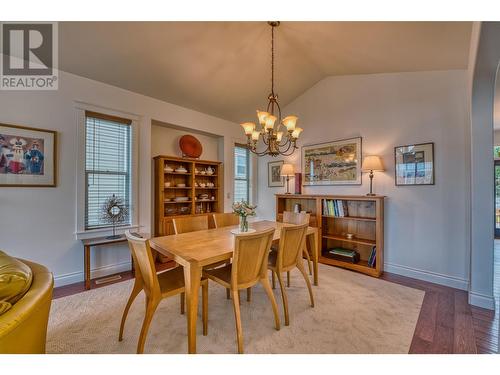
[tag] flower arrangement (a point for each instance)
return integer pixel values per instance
(243, 210)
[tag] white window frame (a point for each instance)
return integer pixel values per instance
(81, 232)
(249, 171)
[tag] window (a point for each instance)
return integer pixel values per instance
(241, 174)
(107, 165)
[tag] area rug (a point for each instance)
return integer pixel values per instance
(354, 313)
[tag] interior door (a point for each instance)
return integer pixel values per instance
(497, 198)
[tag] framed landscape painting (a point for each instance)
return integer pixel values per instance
(332, 163)
(414, 164)
(27, 156)
(274, 178)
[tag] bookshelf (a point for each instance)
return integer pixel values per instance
(360, 215)
(182, 193)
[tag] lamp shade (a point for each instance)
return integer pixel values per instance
(287, 170)
(372, 163)
(249, 127)
(262, 116)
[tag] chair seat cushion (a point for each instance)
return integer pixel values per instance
(15, 280)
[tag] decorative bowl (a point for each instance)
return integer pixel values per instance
(181, 170)
(190, 146)
(181, 199)
(168, 169)
(181, 185)
(167, 184)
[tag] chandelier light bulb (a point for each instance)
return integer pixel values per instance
(262, 117)
(270, 120)
(289, 122)
(255, 135)
(279, 135)
(296, 132)
(249, 127)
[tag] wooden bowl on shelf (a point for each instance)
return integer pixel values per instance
(190, 146)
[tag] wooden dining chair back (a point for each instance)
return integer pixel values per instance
(156, 287)
(225, 219)
(292, 241)
(288, 257)
(251, 252)
(296, 218)
(249, 266)
(144, 264)
(190, 224)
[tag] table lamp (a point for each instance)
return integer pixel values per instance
(287, 171)
(371, 164)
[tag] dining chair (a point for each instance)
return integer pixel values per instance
(193, 224)
(225, 219)
(297, 219)
(249, 267)
(190, 224)
(288, 257)
(156, 287)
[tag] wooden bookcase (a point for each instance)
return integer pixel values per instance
(166, 208)
(365, 220)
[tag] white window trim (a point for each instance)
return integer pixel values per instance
(81, 232)
(254, 162)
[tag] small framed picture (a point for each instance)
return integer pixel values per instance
(27, 156)
(414, 164)
(274, 178)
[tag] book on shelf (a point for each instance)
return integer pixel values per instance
(344, 255)
(335, 208)
(372, 260)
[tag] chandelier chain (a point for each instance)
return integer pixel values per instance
(272, 60)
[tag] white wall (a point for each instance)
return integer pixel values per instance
(40, 223)
(165, 141)
(425, 228)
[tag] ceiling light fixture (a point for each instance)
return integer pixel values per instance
(277, 141)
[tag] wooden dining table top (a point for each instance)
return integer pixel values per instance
(211, 245)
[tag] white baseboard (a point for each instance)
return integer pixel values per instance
(481, 300)
(75, 277)
(432, 277)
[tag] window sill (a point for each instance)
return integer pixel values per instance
(102, 232)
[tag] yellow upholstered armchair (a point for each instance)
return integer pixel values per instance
(23, 328)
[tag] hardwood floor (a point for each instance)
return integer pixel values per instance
(447, 323)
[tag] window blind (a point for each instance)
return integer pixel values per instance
(107, 165)
(241, 174)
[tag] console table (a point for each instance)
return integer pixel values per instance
(88, 244)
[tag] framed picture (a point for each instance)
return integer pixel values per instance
(27, 156)
(414, 164)
(332, 163)
(274, 178)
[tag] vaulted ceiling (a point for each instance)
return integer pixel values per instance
(223, 68)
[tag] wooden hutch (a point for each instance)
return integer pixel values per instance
(195, 190)
(364, 219)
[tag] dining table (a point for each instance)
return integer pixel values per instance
(194, 250)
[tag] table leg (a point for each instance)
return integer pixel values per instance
(86, 262)
(313, 245)
(192, 278)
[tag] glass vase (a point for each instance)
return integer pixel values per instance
(243, 224)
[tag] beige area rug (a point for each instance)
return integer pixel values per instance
(354, 313)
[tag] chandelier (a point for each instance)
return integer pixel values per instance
(280, 139)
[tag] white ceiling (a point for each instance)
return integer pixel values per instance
(223, 68)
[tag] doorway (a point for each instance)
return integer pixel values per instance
(497, 198)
